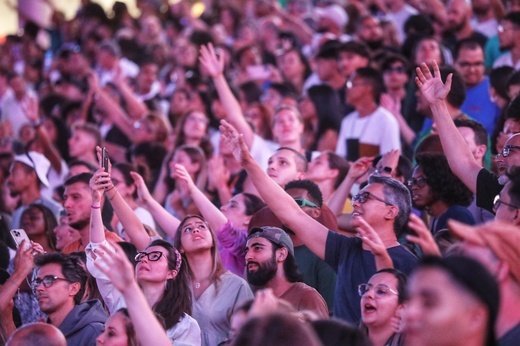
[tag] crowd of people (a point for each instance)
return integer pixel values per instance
(296, 172)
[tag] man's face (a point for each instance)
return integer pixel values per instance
(348, 62)
(304, 194)
(458, 15)
(357, 89)
(506, 34)
(431, 318)
(58, 296)
(80, 143)
(470, 63)
(326, 68)
(19, 178)
(287, 127)
(370, 30)
(281, 167)
(77, 200)
(513, 159)
(147, 76)
(372, 210)
(505, 209)
(260, 261)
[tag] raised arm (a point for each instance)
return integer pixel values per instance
(209, 211)
(118, 269)
(312, 233)
(460, 158)
(165, 220)
(214, 65)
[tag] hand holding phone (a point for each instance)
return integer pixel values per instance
(19, 235)
(104, 158)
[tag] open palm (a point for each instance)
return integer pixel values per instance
(431, 86)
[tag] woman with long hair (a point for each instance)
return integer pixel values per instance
(216, 292)
(39, 222)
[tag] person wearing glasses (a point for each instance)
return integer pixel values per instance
(438, 191)
(380, 211)
(59, 285)
(480, 181)
(160, 272)
(507, 203)
(382, 304)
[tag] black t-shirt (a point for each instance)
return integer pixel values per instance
(511, 338)
(487, 188)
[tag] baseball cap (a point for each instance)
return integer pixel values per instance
(334, 12)
(38, 162)
(274, 234)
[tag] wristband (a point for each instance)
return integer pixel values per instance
(95, 207)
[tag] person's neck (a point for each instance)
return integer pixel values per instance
(297, 82)
(397, 94)
(31, 194)
(153, 292)
(465, 32)
(327, 189)
(386, 233)
(485, 17)
(438, 208)
(57, 317)
(508, 313)
(279, 283)
(192, 141)
(453, 111)
(366, 108)
(337, 81)
(201, 265)
(396, 6)
(379, 335)
(515, 54)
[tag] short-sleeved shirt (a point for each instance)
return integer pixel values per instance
(355, 266)
(487, 188)
(304, 297)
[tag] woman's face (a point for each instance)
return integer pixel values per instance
(119, 182)
(195, 236)
(235, 211)
(307, 108)
(114, 333)
(428, 50)
(291, 65)
(154, 271)
(195, 126)
(33, 222)
(379, 308)
(421, 193)
(182, 158)
(254, 115)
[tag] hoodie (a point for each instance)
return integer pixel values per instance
(84, 323)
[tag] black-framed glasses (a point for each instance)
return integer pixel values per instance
(506, 151)
(364, 196)
(497, 202)
(420, 182)
(152, 256)
(302, 202)
(380, 291)
(47, 281)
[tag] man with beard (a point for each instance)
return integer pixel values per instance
(485, 20)
(370, 32)
(77, 201)
(270, 263)
(459, 26)
(508, 34)
(28, 175)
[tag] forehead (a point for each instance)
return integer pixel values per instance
(513, 140)
(383, 278)
(238, 199)
(156, 248)
(417, 171)
(373, 188)
(297, 193)
(283, 154)
(78, 187)
(192, 221)
(50, 269)
(259, 241)
(470, 53)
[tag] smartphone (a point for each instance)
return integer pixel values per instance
(19, 235)
(104, 158)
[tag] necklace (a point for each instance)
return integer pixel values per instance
(197, 284)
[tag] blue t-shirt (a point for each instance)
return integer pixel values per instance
(355, 266)
(478, 106)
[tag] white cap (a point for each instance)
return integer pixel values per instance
(38, 162)
(335, 13)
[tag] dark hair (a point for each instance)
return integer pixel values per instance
(125, 169)
(513, 110)
(374, 78)
(443, 183)
(251, 91)
(90, 129)
(300, 160)
(312, 189)
(355, 47)
(481, 136)
(467, 43)
(457, 93)
(70, 267)
(513, 18)
(205, 143)
(498, 80)
(129, 327)
(252, 203)
(79, 178)
(392, 59)
(290, 267)
(514, 180)
(49, 220)
(402, 281)
(418, 40)
(328, 110)
(307, 67)
(398, 195)
(176, 299)
(334, 332)
(339, 163)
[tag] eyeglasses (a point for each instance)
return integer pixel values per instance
(419, 182)
(466, 64)
(47, 281)
(380, 290)
(398, 69)
(363, 197)
(507, 150)
(153, 256)
(497, 202)
(302, 202)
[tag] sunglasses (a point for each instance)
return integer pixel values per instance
(302, 202)
(153, 256)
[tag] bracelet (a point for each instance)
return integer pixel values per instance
(113, 187)
(95, 207)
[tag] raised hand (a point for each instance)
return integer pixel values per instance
(143, 194)
(360, 167)
(30, 107)
(184, 178)
(235, 142)
(24, 259)
(390, 159)
(212, 62)
(431, 86)
(115, 265)
(424, 237)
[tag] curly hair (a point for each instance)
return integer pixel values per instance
(444, 184)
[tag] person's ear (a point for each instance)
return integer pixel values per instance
(392, 213)
(282, 254)
(74, 288)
